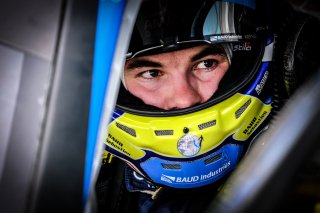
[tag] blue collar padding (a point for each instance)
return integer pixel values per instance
(109, 20)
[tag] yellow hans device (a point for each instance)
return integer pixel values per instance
(187, 150)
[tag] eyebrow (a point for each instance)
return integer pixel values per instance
(143, 63)
(210, 50)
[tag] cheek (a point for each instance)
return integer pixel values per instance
(146, 94)
(135, 88)
(207, 90)
(209, 87)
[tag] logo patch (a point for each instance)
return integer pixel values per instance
(260, 86)
(189, 145)
(167, 178)
(245, 46)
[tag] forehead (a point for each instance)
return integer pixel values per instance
(184, 51)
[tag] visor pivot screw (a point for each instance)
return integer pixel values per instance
(185, 130)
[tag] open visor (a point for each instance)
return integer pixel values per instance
(170, 25)
(175, 25)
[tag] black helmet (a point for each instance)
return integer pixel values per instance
(198, 145)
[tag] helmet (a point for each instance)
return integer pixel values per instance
(198, 145)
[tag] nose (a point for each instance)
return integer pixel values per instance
(183, 93)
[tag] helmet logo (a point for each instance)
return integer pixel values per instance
(189, 145)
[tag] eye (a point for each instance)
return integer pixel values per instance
(206, 64)
(150, 74)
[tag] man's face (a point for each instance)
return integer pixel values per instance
(178, 79)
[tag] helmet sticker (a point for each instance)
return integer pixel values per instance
(243, 46)
(260, 86)
(189, 145)
(196, 178)
(255, 123)
(116, 144)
